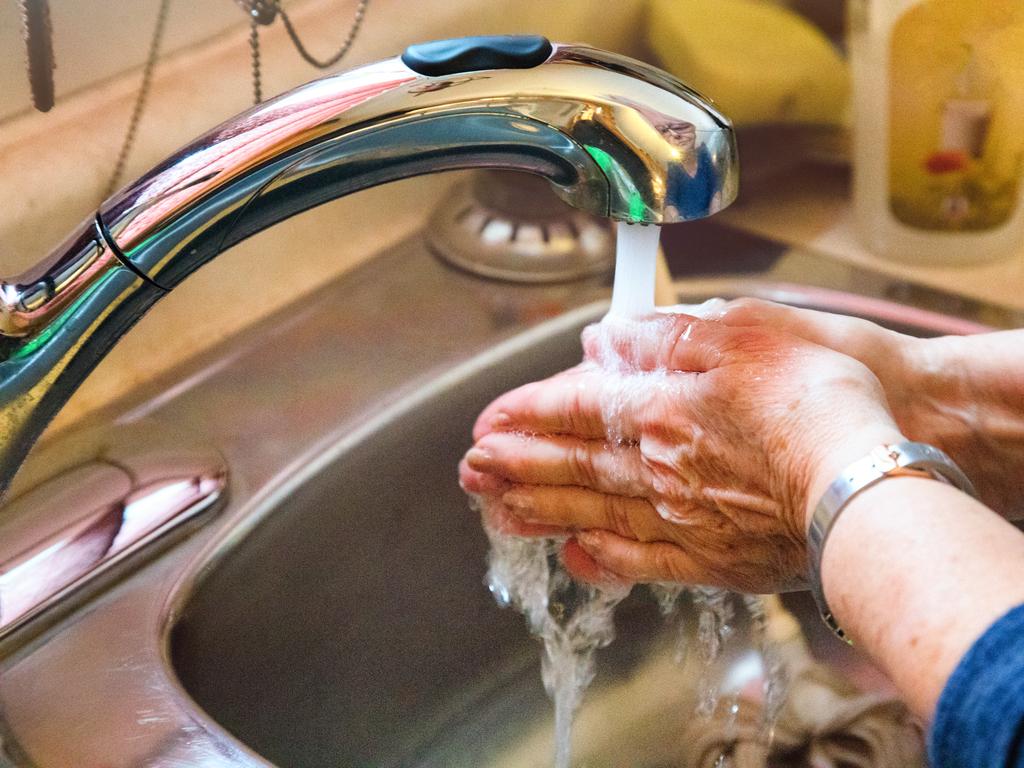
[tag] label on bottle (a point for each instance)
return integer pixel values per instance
(956, 107)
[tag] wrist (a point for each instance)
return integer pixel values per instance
(886, 462)
(854, 446)
(959, 379)
(914, 571)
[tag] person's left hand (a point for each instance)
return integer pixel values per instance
(680, 450)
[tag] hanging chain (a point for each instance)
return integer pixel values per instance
(140, 99)
(254, 47)
(350, 38)
(261, 12)
(264, 12)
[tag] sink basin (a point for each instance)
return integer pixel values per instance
(353, 627)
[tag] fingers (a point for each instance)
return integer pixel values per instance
(496, 416)
(577, 402)
(561, 460)
(481, 483)
(583, 567)
(808, 324)
(640, 561)
(499, 518)
(580, 508)
(673, 342)
(751, 311)
(684, 342)
(489, 489)
(766, 565)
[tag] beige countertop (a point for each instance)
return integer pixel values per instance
(810, 207)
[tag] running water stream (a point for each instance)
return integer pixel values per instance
(636, 260)
(571, 619)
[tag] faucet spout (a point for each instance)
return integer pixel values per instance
(613, 136)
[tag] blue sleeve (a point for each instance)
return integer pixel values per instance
(979, 720)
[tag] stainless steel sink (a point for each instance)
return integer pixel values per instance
(353, 628)
(334, 613)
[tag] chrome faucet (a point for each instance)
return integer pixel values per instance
(614, 136)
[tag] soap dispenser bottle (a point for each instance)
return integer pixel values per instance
(938, 146)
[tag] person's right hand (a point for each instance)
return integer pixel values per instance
(680, 450)
(963, 394)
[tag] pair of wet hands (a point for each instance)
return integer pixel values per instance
(690, 446)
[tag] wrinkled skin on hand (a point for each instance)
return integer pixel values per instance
(953, 392)
(681, 449)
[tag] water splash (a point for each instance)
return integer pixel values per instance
(571, 619)
(732, 713)
(574, 620)
(714, 614)
(775, 677)
(667, 594)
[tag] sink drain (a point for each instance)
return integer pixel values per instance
(511, 226)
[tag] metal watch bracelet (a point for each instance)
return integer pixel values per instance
(884, 461)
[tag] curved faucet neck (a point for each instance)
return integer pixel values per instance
(613, 136)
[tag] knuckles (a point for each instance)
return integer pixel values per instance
(749, 311)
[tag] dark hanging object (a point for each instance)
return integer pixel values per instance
(35, 16)
(260, 11)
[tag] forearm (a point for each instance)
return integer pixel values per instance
(916, 571)
(966, 395)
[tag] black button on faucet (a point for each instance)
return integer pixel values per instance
(472, 54)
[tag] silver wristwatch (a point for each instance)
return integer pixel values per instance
(897, 460)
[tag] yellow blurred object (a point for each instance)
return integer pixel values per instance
(957, 66)
(938, 151)
(761, 63)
